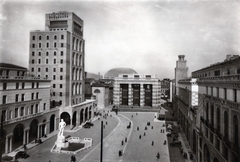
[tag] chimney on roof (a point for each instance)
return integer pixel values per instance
(181, 57)
(228, 57)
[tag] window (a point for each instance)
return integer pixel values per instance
(60, 85)
(39, 61)
(61, 69)
(16, 97)
(47, 37)
(55, 53)
(32, 96)
(61, 61)
(47, 45)
(33, 45)
(44, 106)
(4, 86)
(61, 77)
(55, 44)
(17, 85)
(40, 37)
(22, 111)
(54, 85)
(39, 53)
(16, 112)
(46, 53)
(54, 61)
(22, 97)
(32, 61)
(37, 95)
(39, 69)
(60, 94)
(39, 45)
(46, 61)
(211, 91)
(61, 53)
(36, 108)
(33, 53)
(23, 85)
(54, 69)
(46, 76)
(4, 99)
(32, 109)
(235, 95)
(62, 36)
(33, 37)
(55, 37)
(46, 69)
(32, 69)
(62, 45)
(217, 91)
(53, 93)
(148, 76)
(32, 85)
(54, 77)
(37, 85)
(225, 93)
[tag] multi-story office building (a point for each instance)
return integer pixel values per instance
(165, 88)
(219, 104)
(25, 106)
(57, 53)
(136, 90)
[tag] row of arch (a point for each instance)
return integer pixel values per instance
(77, 45)
(76, 88)
(77, 59)
(24, 134)
(214, 116)
(76, 74)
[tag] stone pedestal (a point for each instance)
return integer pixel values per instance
(61, 142)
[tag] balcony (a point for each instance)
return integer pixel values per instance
(22, 118)
(221, 78)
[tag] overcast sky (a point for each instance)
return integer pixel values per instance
(146, 35)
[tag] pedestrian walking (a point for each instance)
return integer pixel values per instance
(158, 155)
(137, 128)
(126, 139)
(152, 127)
(144, 134)
(161, 130)
(140, 136)
(122, 142)
(146, 128)
(152, 143)
(73, 158)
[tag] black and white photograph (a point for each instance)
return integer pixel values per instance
(120, 81)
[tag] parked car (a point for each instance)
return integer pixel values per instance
(86, 126)
(90, 123)
(21, 154)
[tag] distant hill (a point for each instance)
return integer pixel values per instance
(93, 75)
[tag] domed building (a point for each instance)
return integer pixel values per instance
(113, 73)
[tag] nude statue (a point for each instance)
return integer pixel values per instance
(62, 124)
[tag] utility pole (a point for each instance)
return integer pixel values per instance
(101, 151)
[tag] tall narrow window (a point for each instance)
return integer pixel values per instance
(22, 97)
(33, 37)
(225, 93)
(4, 99)
(235, 95)
(16, 98)
(17, 85)
(23, 85)
(4, 86)
(217, 91)
(40, 45)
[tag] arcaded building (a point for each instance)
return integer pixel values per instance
(58, 53)
(135, 90)
(25, 106)
(219, 104)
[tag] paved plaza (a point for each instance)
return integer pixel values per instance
(115, 131)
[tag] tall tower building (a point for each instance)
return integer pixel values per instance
(181, 71)
(57, 53)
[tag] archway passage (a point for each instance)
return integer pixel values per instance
(206, 154)
(33, 132)
(52, 123)
(81, 116)
(74, 118)
(86, 114)
(44, 131)
(90, 112)
(17, 136)
(66, 117)
(4, 134)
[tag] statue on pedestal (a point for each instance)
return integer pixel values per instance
(62, 124)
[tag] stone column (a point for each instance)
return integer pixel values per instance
(142, 94)
(38, 133)
(10, 144)
(24, 137)
(6, 145)
(70, 123)
(27, 137)
(130, 95)
(77, 118)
